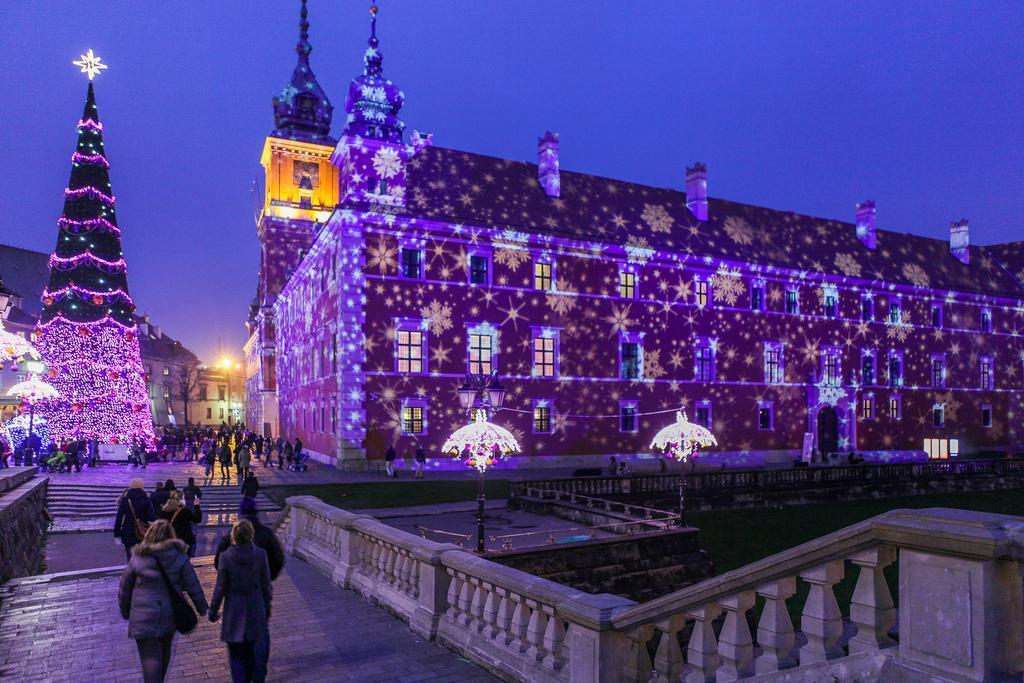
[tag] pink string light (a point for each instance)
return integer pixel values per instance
(79, 227)
(89, 190)
(89, 123)
(105, 320)
(78, 158)
(85, 294)
(72, 262)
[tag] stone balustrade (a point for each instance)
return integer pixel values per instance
(961, 609)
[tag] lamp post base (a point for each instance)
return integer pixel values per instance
(480, 513)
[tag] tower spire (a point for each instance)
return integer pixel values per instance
(373, 101)
(302, 110)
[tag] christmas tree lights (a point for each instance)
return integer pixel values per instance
(87, 335)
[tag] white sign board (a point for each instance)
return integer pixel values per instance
(113, 452)
(805, 454)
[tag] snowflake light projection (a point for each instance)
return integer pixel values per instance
(481, 443)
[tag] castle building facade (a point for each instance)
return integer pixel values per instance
(391, 267)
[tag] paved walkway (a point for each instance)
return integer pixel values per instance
(67, 628)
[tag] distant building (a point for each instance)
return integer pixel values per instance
(220, 396)
(171, 370)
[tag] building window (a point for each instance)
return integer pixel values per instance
(867, 407)
(630, 357)
(482, 341)
(412, 419)
(986, 320)
(939, 415)
(543, 275)
(987, 376)
(938, 371)
(757, 296)
(412, 262)
(167, 392)
(792, 302)
(628, 416)
(627, 284)
(831, 366)
(410, 345)
(479, 269)
(704, 361)
(545, 353)
(986, 416)
(867, 308)
(221, 393)
(936, 316)
(895, 368)
(773, 370)
(867, 368)
(222, 414)
(167, 371)
(542, 417)
(942, 449)
(830, 303)
(702, 414)
(765, 416)
(895, 407)
(702, 292)
(334, 353)
(204, 392)
(895, 312)
(209, 413)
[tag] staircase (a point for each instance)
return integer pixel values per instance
(99, 501)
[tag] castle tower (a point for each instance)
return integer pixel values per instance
(300, 191)
(88, 337)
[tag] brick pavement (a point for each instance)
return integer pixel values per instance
(67, 628)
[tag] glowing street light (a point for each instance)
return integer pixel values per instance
(31, 391)
(682, 441)
(228, 364)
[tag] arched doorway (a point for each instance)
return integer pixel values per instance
(828, 430)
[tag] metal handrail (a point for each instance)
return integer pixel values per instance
(658, 523)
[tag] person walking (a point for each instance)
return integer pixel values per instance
(421, 460)
(251, 485)
(389, 461)
(209, 458)
(181, 520)
(265, 539)
(287, 454)
(192, 494)
(244, 588)
(244, 460)
(3, 455)
(158, 565)
(133, 506)
(225, 460)
(159, 496)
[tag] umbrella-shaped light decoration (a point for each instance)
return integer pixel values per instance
(481, 443)
(683, 439)
(17, 430)
(32, 390)
(14, 347)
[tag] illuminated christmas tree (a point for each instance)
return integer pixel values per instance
(88, 336)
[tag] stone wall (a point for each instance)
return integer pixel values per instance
(639, 567)
(22, 523)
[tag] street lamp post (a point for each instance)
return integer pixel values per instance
(490, 394)
(681, 440)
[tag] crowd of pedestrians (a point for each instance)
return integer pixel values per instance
(63, 456)
(157, 531)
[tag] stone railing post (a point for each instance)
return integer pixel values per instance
(596, 652)
(821, 621)
(871, 608)
(668, 659)
(735, 646)
(702, 651)
(433, 583)
(349, 548)
(775, 629)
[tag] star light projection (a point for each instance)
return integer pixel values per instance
(87, 332)
(91, 64)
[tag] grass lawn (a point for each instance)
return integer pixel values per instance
(393, 493)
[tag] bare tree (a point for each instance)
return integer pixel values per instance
(185, 383)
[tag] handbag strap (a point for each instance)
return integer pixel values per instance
(132, 509)
(167, 580)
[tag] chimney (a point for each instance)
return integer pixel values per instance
(866, 223)
(547, 164)
(697, 190)
(960, 240)
(157, 334)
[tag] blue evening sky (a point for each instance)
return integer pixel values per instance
(807, 106)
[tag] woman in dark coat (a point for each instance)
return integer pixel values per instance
(243, 585)
(145, 602)
(134, 504)
(181, 519)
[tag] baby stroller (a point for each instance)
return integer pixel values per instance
(298, 463)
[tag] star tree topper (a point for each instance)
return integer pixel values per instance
(91, 64)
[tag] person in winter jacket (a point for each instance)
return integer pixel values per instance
(243, 585)
(264, 538)
(421, 460)
(389, 461)
(144, 599)
(181, 519)
(243, 458)
(133, 504)
(225, 460)
(251, 485)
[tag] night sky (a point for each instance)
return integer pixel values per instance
(809, 107)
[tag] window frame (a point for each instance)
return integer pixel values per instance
(828, 352)
(634, 405)
(939, 411)
(895, 399)
(985, 321)
(987, 380)
(830, 302)
(488, 267)
(868, 355)
(420, 263)
(542, 404)
(757, 296)
(867, 308)
(868, 409)
(413, 404)
(482, 330)
(629, 289)
(937, 361)
(703, 405)
(420, 326)
(705, 344)
(895, 355)
(987, 407)
(895, 306)
(538, 278)
(637, 339)
(701, 291)
(778, 348)
(546, 333)
(936, 315)
(769, 408)
(791, 301)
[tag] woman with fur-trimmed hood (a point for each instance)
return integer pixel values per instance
(145, 601)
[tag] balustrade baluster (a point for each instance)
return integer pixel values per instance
(554, 639)
(390, 557)
(375, 549)
(520, 620)
(871, 608)
(503, 618)
(735, 646)
(639, 666)
(466, 601)
(668, 659)
(485, 600)
(702, 650)
(414, 577)
(454, 589)
(535, 632)
(821, 620)
(775, 629)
